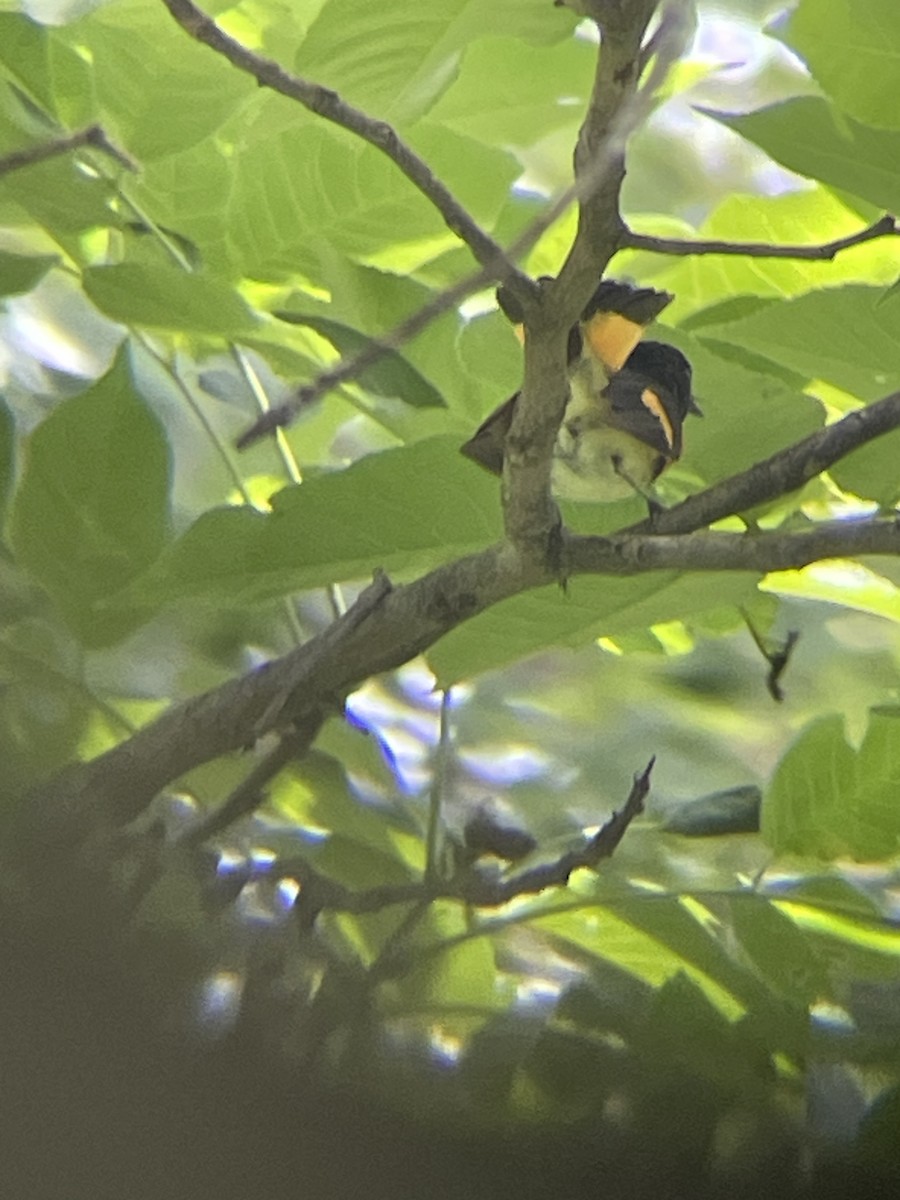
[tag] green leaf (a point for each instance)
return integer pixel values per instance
(853, 52)
(845, 336)
(734, 434)
(593, 607)
(778, 949)
(157, 90)
(404, 510)
(871, 471)
(828, 801)
(837, 582)
(809, 137)
(166, 297)
(731, 811)
(397, 68)
(61, 198)
(303, 191)
(91, 511)
(454, 969)
(43, 707)
(511, 94)
(21, 272)
(391, 375)
(53, 77)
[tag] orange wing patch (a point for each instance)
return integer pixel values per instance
(611, 338)
(653, 404)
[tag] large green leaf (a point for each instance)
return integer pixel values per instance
(158, 91)
(747, 414)
(847, 583)
(55, 79)
(303, 187)
(91, 511)
(21, 272)
(164, 297)
(809, 137)
(391, 375)
(828, 800)
(60, 198)
(397, 62)
(777, 949)
(404, 510)
(592, 607)
(846, 336)
(512, 94)
(853, 51)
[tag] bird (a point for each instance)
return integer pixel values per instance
(628, 400)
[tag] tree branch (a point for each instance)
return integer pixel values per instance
(784, 472)
(760, 552)
(328, 104)
(351, 368)
(318, 892)
(614, 110)
(885, 226)
(305, 685)
(389, 626)
(93, 136)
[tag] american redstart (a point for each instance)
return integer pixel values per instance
(628, 400)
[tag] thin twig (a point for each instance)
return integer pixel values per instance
(351, 368)
(885, 226)
(474, 888)
(251, 791)
(93, 136)
(777, 659)
(328, 104)
(437, 794)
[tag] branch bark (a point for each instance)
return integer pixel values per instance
(885, 226)
(614, 110)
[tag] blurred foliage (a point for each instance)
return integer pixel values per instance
(147, 320)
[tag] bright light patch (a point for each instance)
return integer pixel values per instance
(219, 1002)
(504, 764)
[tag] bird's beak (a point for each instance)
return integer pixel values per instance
(694, 407)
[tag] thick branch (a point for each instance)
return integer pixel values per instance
(614, 110)
(328, 104)
(759, 552)
(885, 226)
(300, 688)
(93, 135)
(784, 472)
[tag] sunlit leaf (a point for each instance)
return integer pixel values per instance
(808, 136)
(828, 800)
(853, 51)
(166, 297)
(91, 511)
